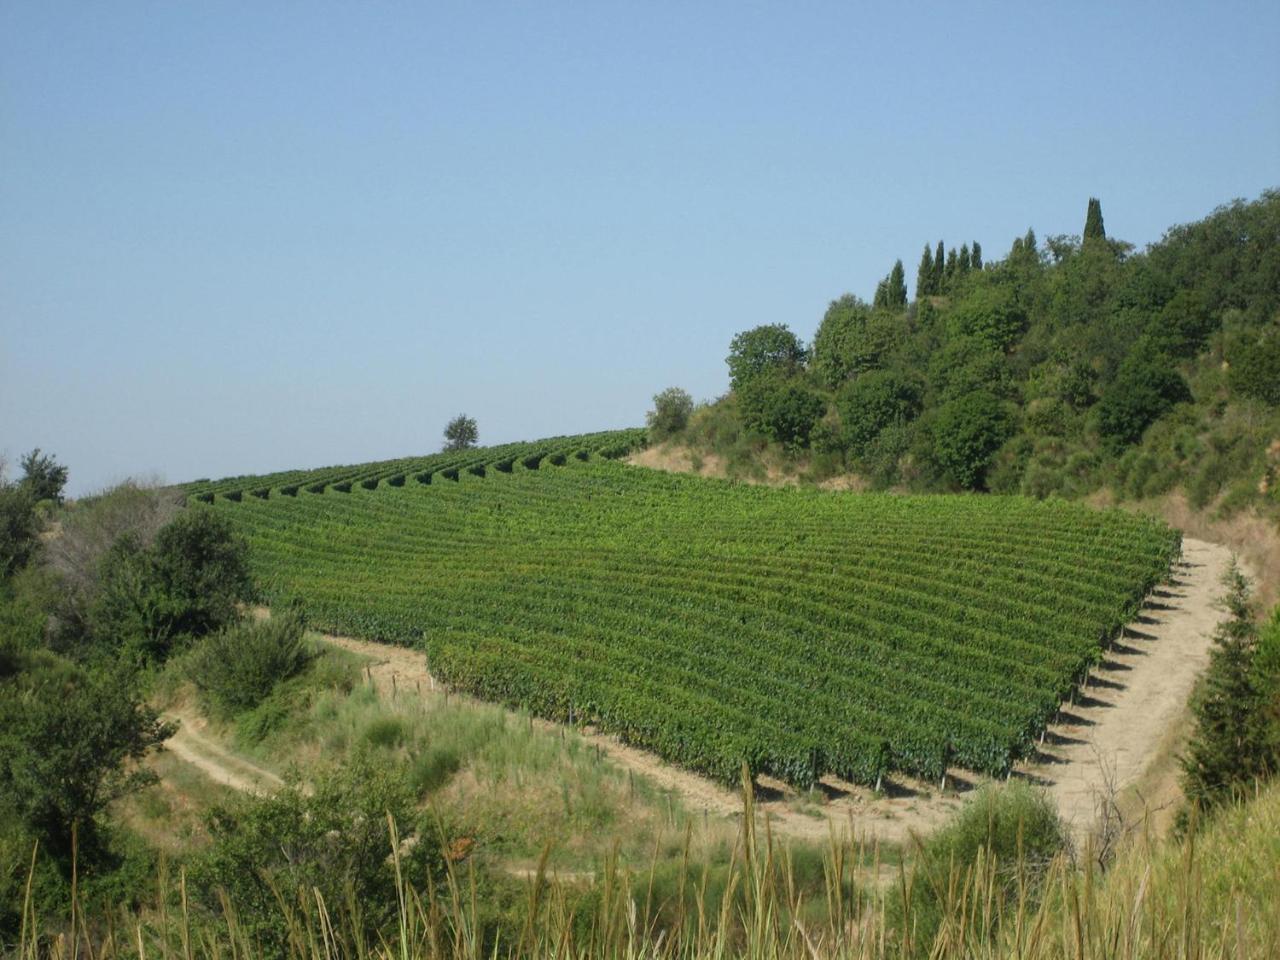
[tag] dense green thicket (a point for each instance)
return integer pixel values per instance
(1067, 366)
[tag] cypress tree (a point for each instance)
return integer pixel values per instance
(964, 259)
(1093, 228)
(1029, 243)
(881, 299)
(952, 266)
(924, 274)
(1229, 748)
(939, 259)
(896, 293)
(975, 258)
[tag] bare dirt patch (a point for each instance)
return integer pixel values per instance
(1126, 730)
(194, 746)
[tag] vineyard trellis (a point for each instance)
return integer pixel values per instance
(800, 632)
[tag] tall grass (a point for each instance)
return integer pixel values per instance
(1212, 895)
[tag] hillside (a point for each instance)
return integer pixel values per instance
(798, 632)
(1068, 368)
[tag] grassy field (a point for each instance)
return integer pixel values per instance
(800, 632)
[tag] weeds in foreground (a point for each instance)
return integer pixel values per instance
(1208, 896)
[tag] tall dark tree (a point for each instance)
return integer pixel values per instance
(924, 274)
(896, 290)
(1229, 750)
(952, 267)
(1093, 228)
(939, 259)
(964, 259)
(881, 297)
(975, 257)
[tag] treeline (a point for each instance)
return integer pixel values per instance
(1068, 365)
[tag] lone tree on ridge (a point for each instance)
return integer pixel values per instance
(461, 433)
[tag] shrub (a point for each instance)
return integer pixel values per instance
(189, 582)
(333, 842)
(967, 432)
(785, 411)
(237, 668)
(1146, 386)
(1012, 827)
(872, 402)
(1255, 370)
(670, 414)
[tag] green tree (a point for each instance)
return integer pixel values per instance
(967, 432)
(670, 414)
(975, 257)
(1231, 747)
(990, 314)
(70, 742)
(874, 401)
(939, 264)
(784, 410)
(768, 349)
(1254, 370)
(949, 272)
(43, 475)
(924, 274)
(1145, 387)
(461, 433)
(963, 264)
(896, 292)
(190, 582)
(1093, 228)
(19, 527)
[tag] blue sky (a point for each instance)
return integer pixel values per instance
(242, 237)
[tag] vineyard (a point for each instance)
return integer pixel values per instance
(801, 632)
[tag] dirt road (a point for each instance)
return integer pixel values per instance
(191, 745)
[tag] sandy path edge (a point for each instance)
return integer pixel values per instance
(191, 745)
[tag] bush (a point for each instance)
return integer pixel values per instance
(967, 432)
(670, 413)
(991, 315)
(875, 400)
(785, 411)
(1146, 386)
(334, 842)
(19, 528)
(1255, 370)
(1013, 827)
(237, 668)
(188, 583)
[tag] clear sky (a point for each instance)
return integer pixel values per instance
(240, 237)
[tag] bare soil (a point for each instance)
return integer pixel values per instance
(193, 745)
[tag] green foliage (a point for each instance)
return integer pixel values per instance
(1014, 829)
(670, 414)
(1093, 228)
(238, 667)
(989, 314)
(333, 842)
(1255, 368)
(43, 476)
(19, 528)
(784, 410)
(877, 399)
(967, 432)
(1146, 386)
(1234, 744)
(924, 274)
(188, 583)
(771, 350)
(715, 623)
(70, 739)
(461, 433)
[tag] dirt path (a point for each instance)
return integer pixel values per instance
(191, 745)
(1109, 742)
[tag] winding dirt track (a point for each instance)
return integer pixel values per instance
(1105, 743)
